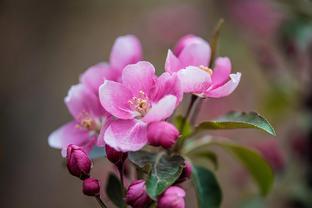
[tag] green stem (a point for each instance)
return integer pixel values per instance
(121, 176)
(101, 203)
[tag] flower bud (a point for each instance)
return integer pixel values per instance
(136, 195)
(186, 172)
(91, 187)
(116, 157)
(173, 197)
(162, 134)
(78, 162)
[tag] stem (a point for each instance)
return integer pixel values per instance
(121, 176)
(101, 203)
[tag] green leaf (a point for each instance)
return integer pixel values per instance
(211, 156)
(209, 193)
(114, 191)
(260, 170)
(163, 170)
(234, 120)
(187, 131)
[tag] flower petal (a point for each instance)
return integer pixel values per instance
(167, 84)
(185, 41)
(126, 50)
(114, 98)
(67, 134)
(221, 71)
(105, 124)
(81, 100)
(225, 89)
(126, 135)
(94, 76)
(172, 63)
(194, 80)
(161, 110)
(139, 77)
(195, 54)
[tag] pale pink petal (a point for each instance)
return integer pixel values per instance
(195, 54)
(221, 71)
(115, 98)
(105, 124)
(185, 41)
(172, 63)
(80, 100)
(126, 50)
(70, 133)
(194, 79)
(94, 76)
(126, 135)
(161, 110)
(139, 77)
(167, 84)
(225, 89)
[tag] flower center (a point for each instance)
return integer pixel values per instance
(87, 122)
(140, 103)
(206, 69)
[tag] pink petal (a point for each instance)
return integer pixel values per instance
(114, 98)
(194, 79)
(225, 89)
(185, 41)
(195, 54)
(105, 124)
(126, 135)
(172, 63)
(81, 100)
(67, 134)
(161, 110)
(126, 50)
(221, 71)
(139, 77)
(95, 76)
(167, 84)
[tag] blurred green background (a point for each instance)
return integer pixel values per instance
(45, 45)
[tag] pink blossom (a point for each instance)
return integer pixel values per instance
(190, 61)
(90, 119)
(91, 187)
(136, 195)
(139, 99)
(173, 197)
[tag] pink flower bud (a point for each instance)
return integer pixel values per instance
(116, 157)
(91, 187)
(173, 197)
(186, 173)
(162, 134)
(136, 195)
(78, 162)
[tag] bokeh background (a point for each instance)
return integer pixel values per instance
(45, 45)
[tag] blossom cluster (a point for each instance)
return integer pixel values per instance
(122, 106)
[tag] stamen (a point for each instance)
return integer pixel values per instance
(140, 103)
(206, 69)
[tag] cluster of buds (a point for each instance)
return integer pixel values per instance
(79, 165)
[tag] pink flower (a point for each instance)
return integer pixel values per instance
(88, 116)
(173, 197)
(190, 61)
(141, 98)
(117, 158)
(83, 102)
(136, 195)
(162, 134)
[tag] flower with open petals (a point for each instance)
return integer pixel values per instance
(138, 100)
(88, 116)
(190, 61)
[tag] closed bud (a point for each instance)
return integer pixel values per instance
(173, 197)
(137, 196)
(91, 187)
(162, 134)
(78, 162)
(186, 172)
(116, 157)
